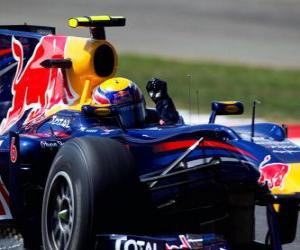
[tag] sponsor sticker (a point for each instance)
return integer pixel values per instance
(131, 244)
(13, 150)
(60, 121)
(272, 174)
(184, 244)
(54, 144)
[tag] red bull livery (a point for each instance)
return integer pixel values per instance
(85, 165)
(273, 175)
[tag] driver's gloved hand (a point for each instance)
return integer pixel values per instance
(157, 89)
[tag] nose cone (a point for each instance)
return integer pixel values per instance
(282, 178)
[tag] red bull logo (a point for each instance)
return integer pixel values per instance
(121, 96)
(34, 88)
(273, 174)
(121, 93)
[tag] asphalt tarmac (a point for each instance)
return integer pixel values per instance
(261, 229)
(264, 32)
(259, 32)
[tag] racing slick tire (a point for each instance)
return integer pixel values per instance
(92, 187)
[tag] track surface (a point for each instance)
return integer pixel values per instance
(265, 32)
(256, 31)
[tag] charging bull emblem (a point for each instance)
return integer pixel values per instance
(272, 174)
(36, 89)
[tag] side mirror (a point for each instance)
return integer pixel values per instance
(225, 108)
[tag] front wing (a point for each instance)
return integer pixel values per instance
(186, 241)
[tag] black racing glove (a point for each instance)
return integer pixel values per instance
(167, 111)
(157, 89)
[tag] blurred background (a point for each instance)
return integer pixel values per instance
(218, 49)
(214, 49)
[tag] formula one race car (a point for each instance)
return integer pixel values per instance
(79, 170)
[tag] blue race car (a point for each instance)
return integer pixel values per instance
(85, 165)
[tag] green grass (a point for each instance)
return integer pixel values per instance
(277, 89)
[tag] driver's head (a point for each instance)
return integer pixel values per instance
(126, 96)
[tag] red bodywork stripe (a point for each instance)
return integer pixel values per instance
(176, 145)
(5, 51)
(216, 144)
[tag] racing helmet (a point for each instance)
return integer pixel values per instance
(125, 96)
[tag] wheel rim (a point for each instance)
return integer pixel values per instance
(60, 211)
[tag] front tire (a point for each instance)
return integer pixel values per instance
(92, 187)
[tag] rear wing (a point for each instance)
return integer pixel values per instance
(41, 30)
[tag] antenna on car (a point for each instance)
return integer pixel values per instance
(190, 101)
(253, 117)
(198, 105)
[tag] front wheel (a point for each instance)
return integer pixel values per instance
(91, 187)
(60, 211)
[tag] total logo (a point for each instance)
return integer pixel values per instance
(124, 244)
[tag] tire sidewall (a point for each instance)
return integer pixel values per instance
(82, 230)
(107, 191)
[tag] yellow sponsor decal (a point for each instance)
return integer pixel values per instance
(231, 109)
(100, 18)
(291, 182)
(103, 111)
(228, 102)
